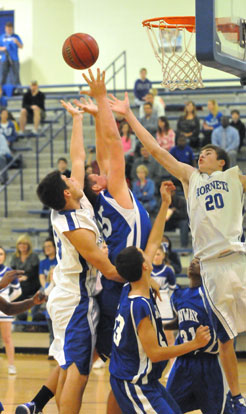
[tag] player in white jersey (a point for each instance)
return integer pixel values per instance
(215, 201)
(72, 304)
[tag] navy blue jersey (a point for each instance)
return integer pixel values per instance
(190, 307)
(129, 360)
(164, 276)
(122, 227)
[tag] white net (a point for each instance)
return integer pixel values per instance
(180, 68)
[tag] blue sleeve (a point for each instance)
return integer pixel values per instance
(140, 309)
(137, 191)
(150, 190)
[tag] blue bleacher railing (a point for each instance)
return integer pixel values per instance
(4, 188)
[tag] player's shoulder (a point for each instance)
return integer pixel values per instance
(179, 293)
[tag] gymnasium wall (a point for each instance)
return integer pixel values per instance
(116, 25)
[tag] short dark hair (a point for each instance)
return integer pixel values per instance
(90, 194)
(148, 103)
(235, 111)
(62, 159)
(50, 239)
(129, 264)
(50, 191)
(9, 24)
(221, 155)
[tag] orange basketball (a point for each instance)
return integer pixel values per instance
(80, 51)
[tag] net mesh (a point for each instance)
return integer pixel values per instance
(180, 68)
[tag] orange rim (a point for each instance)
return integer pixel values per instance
(172, 22)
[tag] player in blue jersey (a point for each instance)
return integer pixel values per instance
(196, 380)
(140, 352)
(215, 198)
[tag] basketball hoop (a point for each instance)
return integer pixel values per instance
(172, 49)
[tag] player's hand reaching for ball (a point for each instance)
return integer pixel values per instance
(166, 189)
(97, 85)
(203, 336)
(74, 111)
(122, 107)
(87, 105)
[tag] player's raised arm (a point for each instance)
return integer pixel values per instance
(177, 169)
(110, 138)
(156, 234)
(77, 151)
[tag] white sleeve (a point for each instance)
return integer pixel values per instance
(70, 220)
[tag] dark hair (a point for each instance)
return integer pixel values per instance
(50, 239)
(62, 159)
(235, 111)
(128, 132)
(221, 155)
(148, 103)
(193, 111)
(90, 194)
(50, 191)
(129, 264)
(9, 24)
(166, 127)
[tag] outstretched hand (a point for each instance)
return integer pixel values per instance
(71, 109)
(97, 85)
(9, 276)
(166, 191)
(87, 106)
(122, 107)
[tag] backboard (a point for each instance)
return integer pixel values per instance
(221, 35)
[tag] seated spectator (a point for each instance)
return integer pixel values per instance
(182, 151)
(156, 171)
(25, 259)
(189, 125)
(149, 120)
(171, 256)
(12, 119)
(227, 137)
(165, 135)
(239, 125)
(7, 128)
(128, 139)
(5, 157)
(177, 218)
(141, 87)
(120, 120)
(46, 267)
(3, 100)
(33, 109)
(62, 166)
(157, 106)
(211, 121)
(144, 189)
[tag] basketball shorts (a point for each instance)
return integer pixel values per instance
(224, 281)
(74, 321)
(108, 301)
(197, 383)
(151, 398)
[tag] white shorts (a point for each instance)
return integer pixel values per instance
(74, 321)
(224, 281)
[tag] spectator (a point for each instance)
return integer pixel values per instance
(149, 120)
(173, 257)
(141, 87)
(9, 45)
(157, 106)
(3, 100)
(120, 120)
(25, 259)
(144, 189)
(128, 139)
(10, 293)
(177, 218)
(7, 128)
(33, 109)
(189, 125)
(5, 156)
(239, 125)
(46, 268)
(165, 135)
(211, 121)
(155, 170)
(62, 165)
(182, 151)
(227, 137)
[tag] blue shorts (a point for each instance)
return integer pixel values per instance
(150, 398)
(108, 301)
(197, 382)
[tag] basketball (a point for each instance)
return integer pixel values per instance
(80, 51)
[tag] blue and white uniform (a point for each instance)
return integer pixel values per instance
(121, 228)
(196, 380)
(72, 305)
(134, 378)
(215, 205)
(165, 277)
(9, 293)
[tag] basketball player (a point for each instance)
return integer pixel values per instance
(215, 202)
(72, 305)
(196, 380)
(139, 351)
